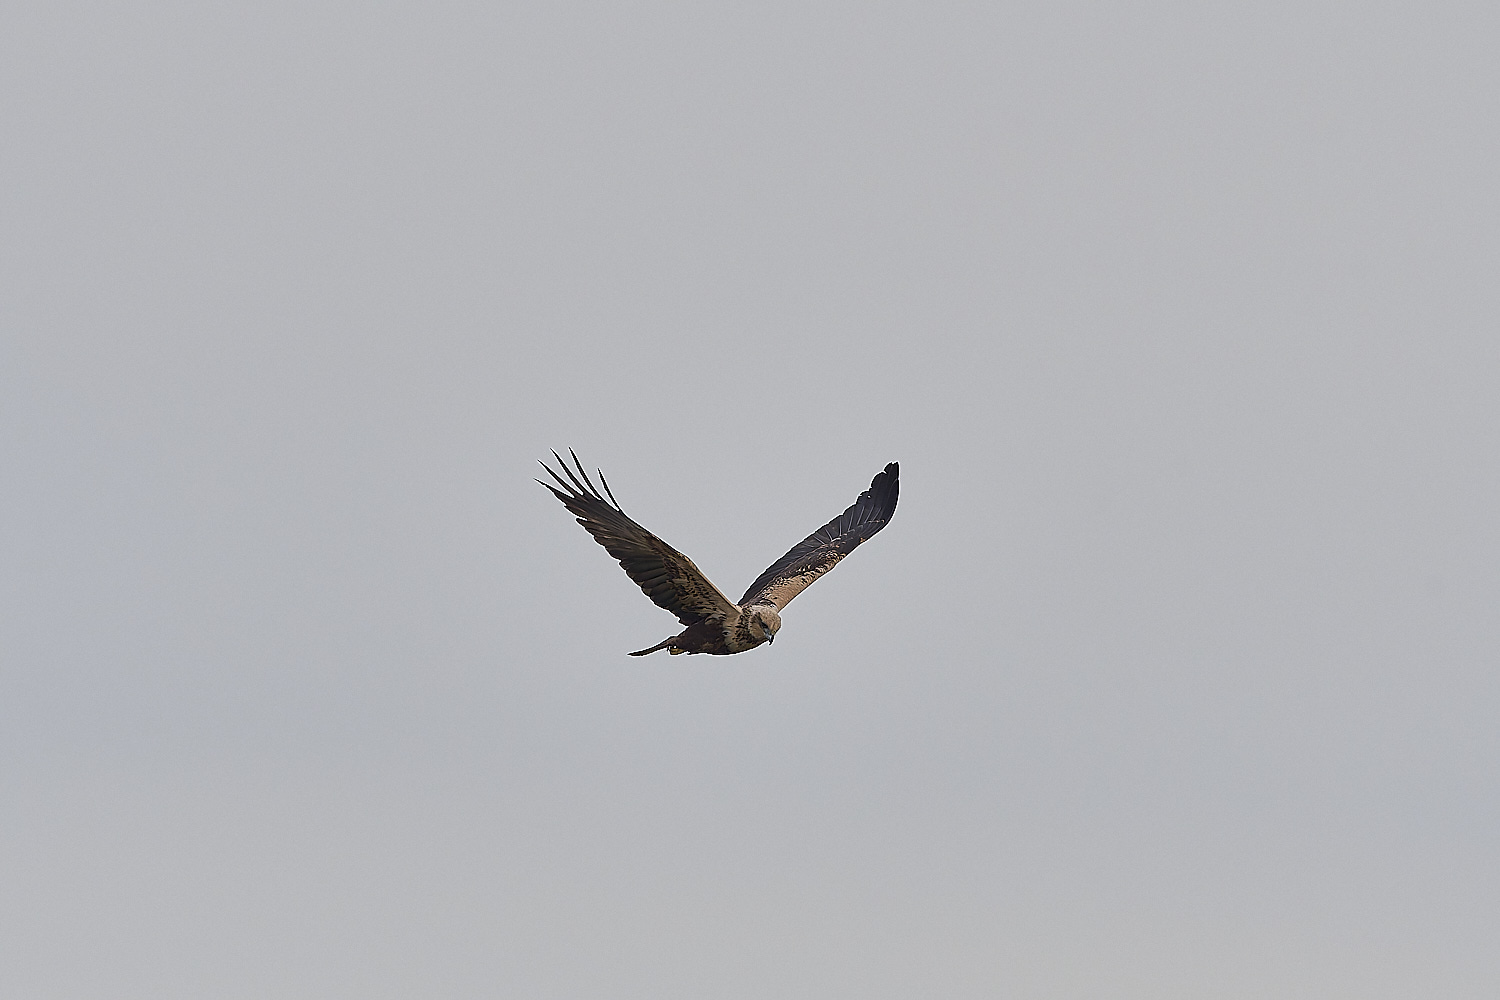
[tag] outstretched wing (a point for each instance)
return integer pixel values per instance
(667, 576)
(820, 551)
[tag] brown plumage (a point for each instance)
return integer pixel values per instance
(669, 578)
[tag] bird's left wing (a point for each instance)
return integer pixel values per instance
(820, 551)
(667, 576)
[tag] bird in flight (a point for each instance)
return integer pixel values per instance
(669, 578)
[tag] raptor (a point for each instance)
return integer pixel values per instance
(714, 624)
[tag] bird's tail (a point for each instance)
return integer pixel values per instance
(660, 645)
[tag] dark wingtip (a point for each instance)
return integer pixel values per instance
(885, 487)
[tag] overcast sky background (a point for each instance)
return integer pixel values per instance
(1173, 677)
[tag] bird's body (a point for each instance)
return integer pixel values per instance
(743, 629)
(714, 624)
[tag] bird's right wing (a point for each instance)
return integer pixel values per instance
(667, 576)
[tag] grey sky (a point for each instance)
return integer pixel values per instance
(1174, 675)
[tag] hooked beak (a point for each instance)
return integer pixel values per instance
(770, 636)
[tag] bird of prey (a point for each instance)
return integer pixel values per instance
(669, 578)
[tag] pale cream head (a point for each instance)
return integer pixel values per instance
(764, 623)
